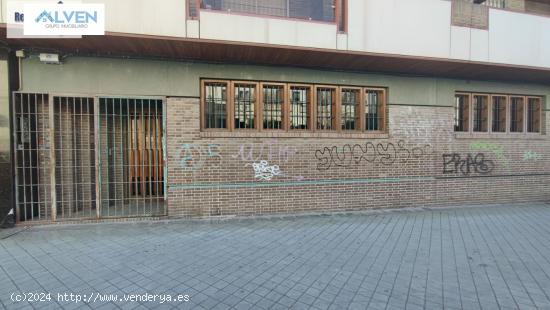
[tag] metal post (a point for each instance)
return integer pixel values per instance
(53, 193)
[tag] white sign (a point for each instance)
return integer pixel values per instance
(64, 19)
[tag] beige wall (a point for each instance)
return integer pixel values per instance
(164, 78)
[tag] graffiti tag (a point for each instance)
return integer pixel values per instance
(530, 155)
(497, 150)
(385, 153)
(269, 150)
(455, 163)
(194, 157)
(263, 171)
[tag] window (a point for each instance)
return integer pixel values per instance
(533, 114)
(245, 101)
(300, 101)
(499, 113)
(516, 114)
(274, 106)
(349, 100)
(319, 10)
(215, 105)
(480, 107)
(462, 112)
(193, 9)
(273, 102)
(325, 108)
(342, 6)
(374, 110)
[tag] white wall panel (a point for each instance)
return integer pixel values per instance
(165, 18)
(479, 45)
(234, 27)
(410, 27)
(460, 42)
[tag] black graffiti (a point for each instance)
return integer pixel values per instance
(455, 163)
(385, 153)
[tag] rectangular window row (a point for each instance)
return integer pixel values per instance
(497, 113)
(236, 105)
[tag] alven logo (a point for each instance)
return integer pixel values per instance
(64, 19)
(43, 17)
(67, 17)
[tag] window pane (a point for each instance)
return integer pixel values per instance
(374, 107)
(299, 106)
(516, 114)
(321, 10)
(273, 106)
(481, 113)
(325, 103)
(349, 103)
(462, 112)
(533, 115)
(499, 114)
(245, 99)
(216, 105)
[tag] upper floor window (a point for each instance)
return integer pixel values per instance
(291, 107)
(318, 10)
(497, 113)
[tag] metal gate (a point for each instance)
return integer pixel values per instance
(104, 157)
(131, 157)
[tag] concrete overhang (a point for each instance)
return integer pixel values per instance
(114, 44)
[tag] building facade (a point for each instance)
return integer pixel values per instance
(234, 108)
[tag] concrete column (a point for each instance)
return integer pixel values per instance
(6, 180)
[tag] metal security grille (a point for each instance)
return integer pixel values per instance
(533, 115)
(516, 114)
(75, 180)
(499, 114)
(320, 10)
(273, 100)
(31, 125)
(131, 157)
(325, 104)
(373, 110)
(480, 109)
(492, 3)
(299, 107)
(461, 112)
(350, 104)
(245, 99)
(88, 157)
(216, 105)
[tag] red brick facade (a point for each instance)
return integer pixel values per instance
(420, 162)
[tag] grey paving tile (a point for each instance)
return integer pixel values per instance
(471, 258)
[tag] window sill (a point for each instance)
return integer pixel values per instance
(286, 134)
(503, 136)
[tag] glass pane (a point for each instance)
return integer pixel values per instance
(216, 105)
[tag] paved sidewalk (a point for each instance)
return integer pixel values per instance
(461, 258)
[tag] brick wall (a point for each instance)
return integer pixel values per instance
(219, 174)
(467, 14)
(515, 4)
